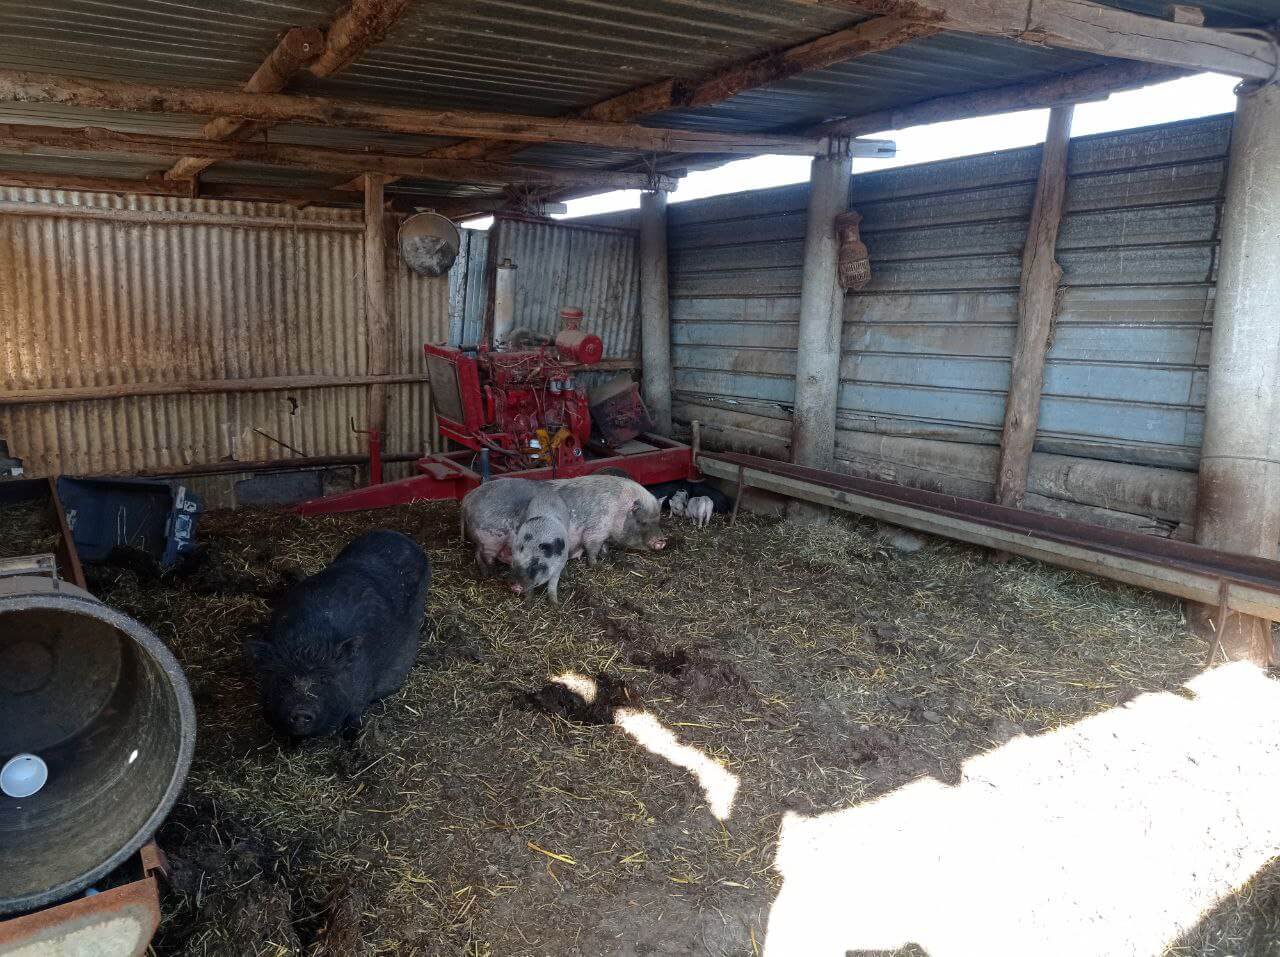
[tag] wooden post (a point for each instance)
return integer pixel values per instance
(821, 316)
(1037, 303)
(375, 301)
(655, 311)
(813, 421)
(1238, 504)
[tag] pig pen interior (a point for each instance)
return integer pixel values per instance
(806, 670)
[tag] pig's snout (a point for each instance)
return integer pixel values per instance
(657, 544)
(517, 588)
(302, 720)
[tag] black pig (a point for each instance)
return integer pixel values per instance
(344, 638)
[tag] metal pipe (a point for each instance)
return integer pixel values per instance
(504, 303)
(1239, 490)
(655, 311)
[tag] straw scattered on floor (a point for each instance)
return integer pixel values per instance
(474, 815)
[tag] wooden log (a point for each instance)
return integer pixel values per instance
(15, 397)
(30, 139)
(376, 316)
(1041, 275)
(363, 24)
(168, 217)
(1094, 84)
(296, 49)
(871, 36)
(247, 192)
(17, 86)
(1088, 27)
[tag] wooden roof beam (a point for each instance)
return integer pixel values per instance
(158, 186)
(1087, 27)
(1084, 85)
(17, 86)
(296, 49)
(26, 139)
(1080, 87)
(361, 25)
(870, 36)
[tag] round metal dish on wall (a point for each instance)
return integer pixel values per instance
(429, 244)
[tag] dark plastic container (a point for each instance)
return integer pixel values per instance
(136, 514)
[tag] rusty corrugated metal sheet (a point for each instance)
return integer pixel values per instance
(565, 265)
(95, 302)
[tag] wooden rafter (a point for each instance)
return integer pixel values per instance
(1093, 84)
(249, 192)
(18, 86)
(38, 139)
(1084, 85)
(1087, 27)
(296, 49)
(871, 36)
(361, 25)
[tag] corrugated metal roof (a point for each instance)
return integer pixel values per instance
(526, 56)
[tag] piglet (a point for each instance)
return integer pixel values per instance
(541, 545)
(699, 510)
(678, 502)
(345, 637)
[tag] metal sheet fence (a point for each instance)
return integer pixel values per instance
(926, 345)
(220, 291)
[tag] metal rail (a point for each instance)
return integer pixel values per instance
(1236, 582)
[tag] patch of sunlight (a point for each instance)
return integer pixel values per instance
(1112, 836)
(719, 785)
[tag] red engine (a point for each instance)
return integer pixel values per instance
(525, 406)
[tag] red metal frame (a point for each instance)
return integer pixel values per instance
(448, 475)
(522, 408)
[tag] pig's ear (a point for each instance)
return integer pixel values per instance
(260, 654)
(346, 649)
(662, 501)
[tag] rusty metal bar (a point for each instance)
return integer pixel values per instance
(1164, 565)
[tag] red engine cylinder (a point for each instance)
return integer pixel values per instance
(574, 344)
(580, 346)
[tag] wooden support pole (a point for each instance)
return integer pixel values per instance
(377, 320)
(17, 86)
(655, 311)
(821, 317)
(296, 49)
(32, 139)
(1037, 304)
(1238, 501)
(813, 420)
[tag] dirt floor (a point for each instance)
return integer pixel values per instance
(483, 812)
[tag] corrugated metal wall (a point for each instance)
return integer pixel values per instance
(559, 265)
(238, 290)
(927, 344)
